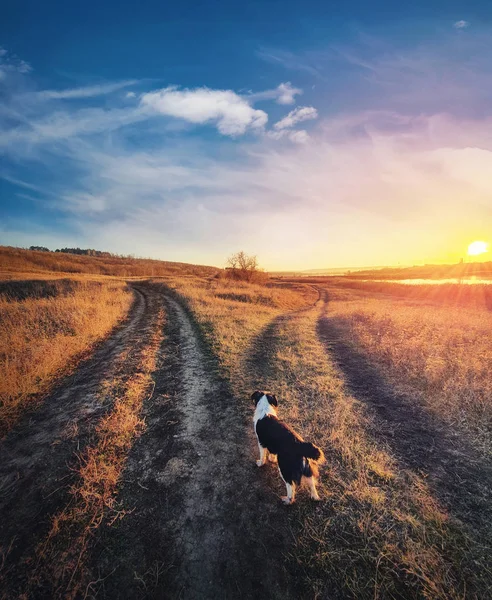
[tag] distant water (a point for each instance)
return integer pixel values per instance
(462, 280)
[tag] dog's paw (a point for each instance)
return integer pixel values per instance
(286, 500)
(316, 498)
(272, 458)
(259, 463)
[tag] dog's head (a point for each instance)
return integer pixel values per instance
(258, 395)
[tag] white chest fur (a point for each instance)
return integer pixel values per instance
(263, 408)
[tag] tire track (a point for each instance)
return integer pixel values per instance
(37, 457)
(460, 477)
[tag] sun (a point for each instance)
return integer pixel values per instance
(478, 247)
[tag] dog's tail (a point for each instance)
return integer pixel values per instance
(311, 451)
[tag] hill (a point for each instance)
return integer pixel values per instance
(18, 260)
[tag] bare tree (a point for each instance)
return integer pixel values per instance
(243, 267)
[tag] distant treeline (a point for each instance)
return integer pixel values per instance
(76, 260)
(82, 251)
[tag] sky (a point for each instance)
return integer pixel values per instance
(313, 135)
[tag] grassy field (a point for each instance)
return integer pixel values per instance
(433, 344)
(388, 526)
(381, 531)
(44, 327)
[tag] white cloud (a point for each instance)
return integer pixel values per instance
(287, 93)
(302, 113)
(231, 113)
(130, 95)
(284, 93)
(297, 136)
(461, 24)
(85, 92)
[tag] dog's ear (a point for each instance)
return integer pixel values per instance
(272, 399)
(255, 396)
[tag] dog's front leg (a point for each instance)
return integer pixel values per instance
(272, 457)
(263, 453)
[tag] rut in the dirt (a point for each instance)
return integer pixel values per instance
(460, 477)
(205, 522)
(38, 456)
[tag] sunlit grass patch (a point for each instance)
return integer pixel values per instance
(440, 356)
(43, 328)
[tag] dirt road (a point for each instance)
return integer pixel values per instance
(204, 524)
(202, 521)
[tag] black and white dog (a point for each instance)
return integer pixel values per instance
(297, 460)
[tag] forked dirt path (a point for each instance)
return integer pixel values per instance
(457, 474)
(37, 458)
(204, 522)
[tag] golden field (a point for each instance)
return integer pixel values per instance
(387, 527)
(432, 343)
(381, 532)
(44, 327)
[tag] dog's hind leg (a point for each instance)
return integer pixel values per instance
(272, 457)
(311, 482)
(263, 455)
(291, 493)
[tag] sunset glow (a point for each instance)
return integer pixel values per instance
(333, 147)
(478, 247)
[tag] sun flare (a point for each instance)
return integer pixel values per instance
(477, 247)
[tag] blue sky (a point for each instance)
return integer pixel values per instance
(312, 134)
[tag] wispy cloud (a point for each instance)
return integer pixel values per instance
(289, 60)
(461, 24)
(10, 63)
(302, 113)
(231, 113)
(63, 125)
(300, 136)
(85, 92)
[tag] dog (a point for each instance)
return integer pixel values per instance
(297, 460)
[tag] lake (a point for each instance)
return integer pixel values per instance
(462, 280)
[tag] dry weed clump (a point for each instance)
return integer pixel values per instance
(44, 328)
(440, 356)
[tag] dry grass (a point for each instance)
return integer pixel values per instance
(62, 556)
(440, 355)
(232, 313)
(478, 296)
(379, 533)
(17, 260)
(44, 327)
